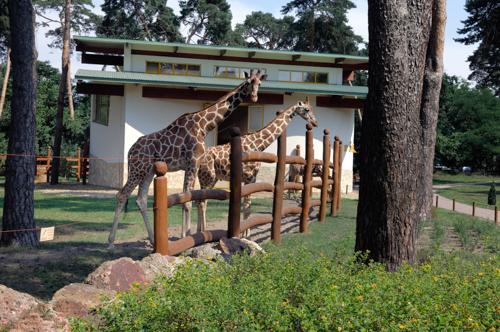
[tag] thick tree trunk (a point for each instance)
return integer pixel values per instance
(5, 83)
(58, 130)
(430, 103)
(391, 144)
(18, 210)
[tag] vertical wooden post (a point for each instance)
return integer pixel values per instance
(339, 174)
(473, 209)
(336, 184)
(325, 175)
(85, 164)
(437, 201)
(160, 209)
(279, 184)
(306, 180)
(49, 161)
(297, 150)
(233, 226)
(346, 189)
(453, 205)
(78, 164)
(496, 215)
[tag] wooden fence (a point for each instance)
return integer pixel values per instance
(330, 178)
(78, 163)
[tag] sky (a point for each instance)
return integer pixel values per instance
(455, 54)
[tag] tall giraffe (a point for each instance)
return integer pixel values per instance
(215, 164)
(181, 145)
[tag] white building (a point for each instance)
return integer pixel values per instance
(154, 83)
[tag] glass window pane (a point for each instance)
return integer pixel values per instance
(219, 71)
(321, 77)
(284, 75)
(166, 68)
(194, 70)
(179, 69)
(231, 72)
(296, 76)
(309, 77)
(152, 67)
(101, 114)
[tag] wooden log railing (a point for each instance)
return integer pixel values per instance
(235, 225)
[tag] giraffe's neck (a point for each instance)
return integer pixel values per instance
(261, 139)
(223, 107)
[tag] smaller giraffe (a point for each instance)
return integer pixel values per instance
(215, 164)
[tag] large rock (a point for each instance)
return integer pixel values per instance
(22, 312)
(156, 264)
(78, 299)
(231, 246)
(117, 275)
(205, 251)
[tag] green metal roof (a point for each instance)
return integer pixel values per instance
(217, 83)
(215, 50)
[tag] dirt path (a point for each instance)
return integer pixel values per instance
(446, 203)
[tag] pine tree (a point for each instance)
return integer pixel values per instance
(263, 30)
(142, 20)
(492, 195)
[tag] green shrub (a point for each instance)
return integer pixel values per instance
(304, 292)
(492, 195)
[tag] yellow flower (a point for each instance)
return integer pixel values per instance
(402, 326)
(374, 286)
(480, 274)
(361, 297)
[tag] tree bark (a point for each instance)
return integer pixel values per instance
(391, 165)
(18, 209)
(430, 103)
(5, 83)
(58, 130)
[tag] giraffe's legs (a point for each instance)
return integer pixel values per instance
(247, 203)
(202, 207)
(142, 203)
(121, 200)
(189, 180)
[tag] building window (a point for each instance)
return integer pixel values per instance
(101, 110)
(167, 68)
(303, 77)
(233, 72)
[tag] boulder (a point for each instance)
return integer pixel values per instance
(22, 312)
(231, 246)
(156, 264)
(205, 251)
(117, 275)
(78, 299)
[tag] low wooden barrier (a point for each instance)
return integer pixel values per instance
(79, 164)
(235, 226)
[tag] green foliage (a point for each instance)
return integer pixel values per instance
(209, 21)
(75, 133)
(482, 27)
(83, 19)
(322, 26)
(492, 195)
(4, 28)
(468, 130)
(307, 292)
(263, 30)
(150, 20)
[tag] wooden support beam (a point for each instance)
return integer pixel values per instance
(102, 59)
(295, 57)
(251, 54)
(208, 95)
(99, 89)
(222, 52)
(339, 60)
(176, 49)
(339, 102)
(96, 49)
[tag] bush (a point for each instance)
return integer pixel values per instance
(492, 195)
(300, 291)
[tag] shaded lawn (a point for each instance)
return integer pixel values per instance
(445, 178)
(469, 193)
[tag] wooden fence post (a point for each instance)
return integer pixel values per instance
(325, 175)
(473, 209)
(437, 201)
(336, 184)
(279, 184)
(233, 226)
(85, 162)
(160, 209)
(453, 204)
(496, 215)
(78, 164)
(339, 174)
(306, 180)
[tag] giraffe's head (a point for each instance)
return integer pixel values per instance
(253, 82)
(305, 110)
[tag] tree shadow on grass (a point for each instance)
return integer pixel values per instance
(42, 271)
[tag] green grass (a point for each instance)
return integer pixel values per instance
(445, 178)
(311, 282)
(468, 193)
